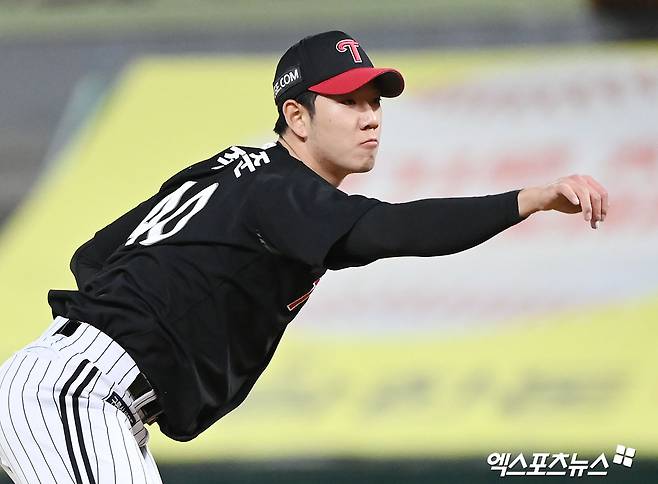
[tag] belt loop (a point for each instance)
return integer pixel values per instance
(68, 328)
(145, 400)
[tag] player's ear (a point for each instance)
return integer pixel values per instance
(297, 117)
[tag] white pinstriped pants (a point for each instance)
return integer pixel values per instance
(56, 425)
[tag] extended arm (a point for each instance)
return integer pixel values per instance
(442, 226)
(430, 227)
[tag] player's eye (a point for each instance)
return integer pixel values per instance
(348, 102)
(377, 101)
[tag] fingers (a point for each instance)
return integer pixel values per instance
(576, 193)
(592, 196)
(602, 192)
(595, 203)
(566, 190)
(584, 197)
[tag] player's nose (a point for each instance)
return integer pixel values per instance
(369, 117)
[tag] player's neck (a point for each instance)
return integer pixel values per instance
(299, 151)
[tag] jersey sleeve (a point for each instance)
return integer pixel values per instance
(301, 216)
(90, 256)
(424, 228)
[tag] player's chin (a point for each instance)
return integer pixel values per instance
(365, 163)
(364, 166)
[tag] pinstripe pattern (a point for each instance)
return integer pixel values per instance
(4, 417)
(37, 396)
(12, 423)
(27, 421)
(56, 426)
(65, 421)
(89, 427)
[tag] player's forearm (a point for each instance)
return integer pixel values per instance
(429, 227)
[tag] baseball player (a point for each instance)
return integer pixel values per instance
(181, 302)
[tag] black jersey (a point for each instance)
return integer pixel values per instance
(199, 282)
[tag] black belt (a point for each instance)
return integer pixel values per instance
(138, 388)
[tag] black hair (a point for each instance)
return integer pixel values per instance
(306, 99)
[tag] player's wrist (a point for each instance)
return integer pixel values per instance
(529, 200)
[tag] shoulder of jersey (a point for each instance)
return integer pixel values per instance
(240, 160)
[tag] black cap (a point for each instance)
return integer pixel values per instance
(330, 63)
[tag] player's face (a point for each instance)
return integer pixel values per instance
(343, 135)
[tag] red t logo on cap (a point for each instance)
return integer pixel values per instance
(351, 44)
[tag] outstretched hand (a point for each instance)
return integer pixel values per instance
(571, 194)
